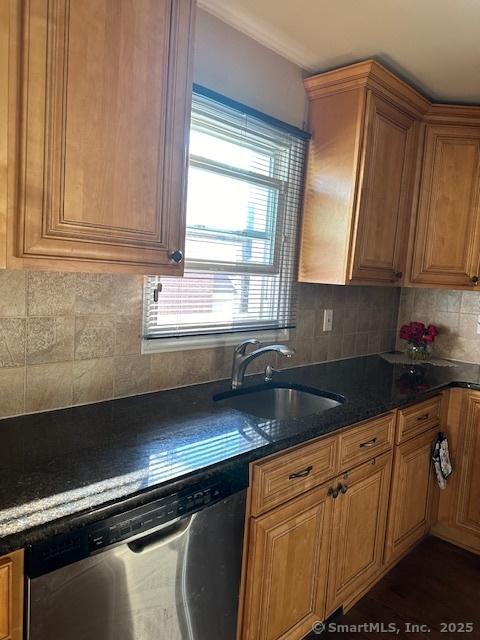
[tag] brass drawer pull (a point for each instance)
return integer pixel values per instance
(301, 474)
(369, 443)
(423, 417)
(343, 488)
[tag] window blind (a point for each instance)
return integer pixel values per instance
(244, 195)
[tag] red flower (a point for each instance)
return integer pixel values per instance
(405, 332)
(417, 332)
(432, 330)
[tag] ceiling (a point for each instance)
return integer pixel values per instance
(435, 44)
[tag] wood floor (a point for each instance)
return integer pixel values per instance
(437, 583)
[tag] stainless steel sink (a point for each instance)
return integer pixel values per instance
(279, 401)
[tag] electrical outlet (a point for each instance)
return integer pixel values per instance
(328, 319)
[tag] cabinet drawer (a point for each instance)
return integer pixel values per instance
(368, 441)
(417, 419)
(279, 478)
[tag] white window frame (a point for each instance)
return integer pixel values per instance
(216, 340)
(190, 343)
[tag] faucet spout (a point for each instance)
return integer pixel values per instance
(241, 359)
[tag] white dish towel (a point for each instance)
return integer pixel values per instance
(441, 460)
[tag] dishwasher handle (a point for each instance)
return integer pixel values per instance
(161, 537)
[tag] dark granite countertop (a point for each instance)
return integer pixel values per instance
(63, 469)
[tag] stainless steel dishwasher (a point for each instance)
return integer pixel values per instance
(169, 570)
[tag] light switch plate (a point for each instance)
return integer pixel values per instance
(328, 319)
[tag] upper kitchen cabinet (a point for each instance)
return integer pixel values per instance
(360, 177)
(447, 236)
(99, 106)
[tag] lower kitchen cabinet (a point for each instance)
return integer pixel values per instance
(287, 568)
(468, 505)
(358, 531)
(413, 486)
(11, 596)
(459, 505)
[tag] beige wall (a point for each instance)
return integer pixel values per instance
(240, 68)
(455, 313)
(75, 338)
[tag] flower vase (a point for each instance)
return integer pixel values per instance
(418, 351)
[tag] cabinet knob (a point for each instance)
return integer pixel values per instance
(175, 256)
(398, 275)
(336, 491)
(333, 492)
(474, 280)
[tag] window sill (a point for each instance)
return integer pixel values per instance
(164, 345)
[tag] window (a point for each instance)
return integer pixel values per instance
(244, 194)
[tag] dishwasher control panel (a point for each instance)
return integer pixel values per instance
(63, 549)
(143, 519)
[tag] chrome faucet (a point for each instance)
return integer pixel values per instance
(241, 359)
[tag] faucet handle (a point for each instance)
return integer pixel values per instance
(269, 371)
(242, 347)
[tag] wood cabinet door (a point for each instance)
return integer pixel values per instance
(358, 531)
(413, 484)
(447, 239)
(11, 596)
(384, 206)
(468, 497)
(105, 108)
(287, 568)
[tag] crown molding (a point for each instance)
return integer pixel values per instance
(454, 114)
(370, 74)
(262, 32)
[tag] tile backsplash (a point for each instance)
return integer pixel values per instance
(69, 339)
(455, 313)
(364, 321)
